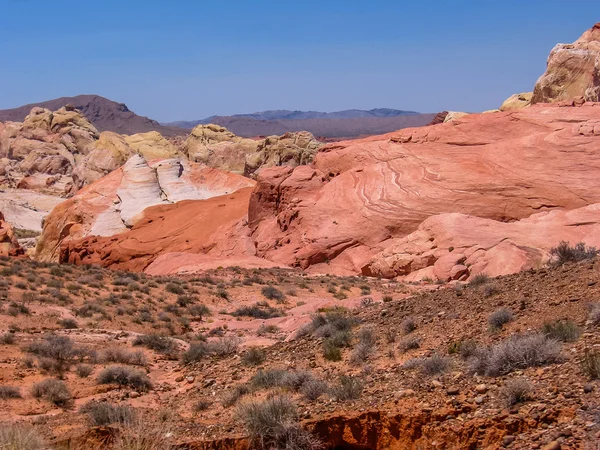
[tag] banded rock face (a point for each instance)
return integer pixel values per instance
(358, 196)
(573, 71)
(119, 201)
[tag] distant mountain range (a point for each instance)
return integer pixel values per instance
(349, 123)
(107, 115)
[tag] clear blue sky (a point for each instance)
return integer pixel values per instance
(188, 59)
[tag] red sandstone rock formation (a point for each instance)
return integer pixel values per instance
(9, 246)
(573, 71)
(335, 215)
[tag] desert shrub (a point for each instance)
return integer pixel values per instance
(160, 344)
(465, 348)
(253, 356)
(69, 324)
(225, 346)
(479, 280)
(435, 365)
(272, 293)
(361, 353)
(233, 396)
(58, 349)
(331, 352)
(267, 379)
(258, 311)
(125, 376)
(174, 288)
(564, 252)
(102, 413)
(13, 437)
(273, 424)
(347, 388)
(590, 364)
(89, 309)
(517, 352)
(197, 352)
(7, 338)
(562, 330)
(83, 370)
(313, 389)
(409, 343)
(499, 318)
(123, 356)
(198, 310)
(7, 392)
(139, 436)
(327, 324)
(201, 405)
(267, 329)
(387, 298)
(53, 390)
(516, 390)
(408, 325)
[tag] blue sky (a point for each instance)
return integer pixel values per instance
(186, 59)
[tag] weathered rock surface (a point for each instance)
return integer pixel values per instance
(217, 147)
(335, 215)
(25, 210)
(458, 246)
(119, 201)
(58, 152)
(214, 226)
(573, 71)
(8, 241)
(517, 101)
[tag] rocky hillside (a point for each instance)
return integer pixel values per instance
(345, 124)
(104, 114)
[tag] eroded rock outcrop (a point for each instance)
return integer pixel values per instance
(517, 101)
(573, 71)
(9, 245)
(217, 147)
(119, 201)
(335, 215)
(58, 152)
(458, 246)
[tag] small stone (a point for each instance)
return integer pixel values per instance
(479, 400)
(190, 379)
(554, 445)
(453, 391)
(507, 440)
(209, 382)
(588, 387)
(481, 388)
(405, 393)
(134, 394)
(179, 379)
(436, 383)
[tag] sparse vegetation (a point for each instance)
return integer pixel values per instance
(258, 311)
(347, 388)
(14, 437)
(412, 342)
(272, 293)
(273, 424)
(408, 325)
(435, 365)
(125, 376)
(590, 364)
(8, 392)
(160, 344)
(7, 338)
(562, 330)
(564, 252)
(52, 390)
(517, 352)
(254, 356)
(516, 390)
(123, 356)
(102, 414)
(479, 280)
(499, 318)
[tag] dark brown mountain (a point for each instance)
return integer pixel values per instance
(105, 114)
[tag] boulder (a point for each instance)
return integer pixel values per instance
(217, 147)
(517, 101)
(9, 246)
(573, 70)
(459, 246)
